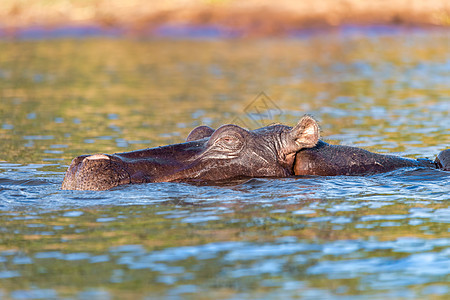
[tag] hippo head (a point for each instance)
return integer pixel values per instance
(207, 155)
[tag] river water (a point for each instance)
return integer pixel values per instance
(367, 237)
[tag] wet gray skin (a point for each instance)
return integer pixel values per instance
(208, 155)
(234, 152)
(333, 160)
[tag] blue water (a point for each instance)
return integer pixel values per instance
(387, 232)
(344, 237)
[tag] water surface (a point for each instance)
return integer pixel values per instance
(342, 237)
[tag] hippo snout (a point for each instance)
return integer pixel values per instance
(95, 172)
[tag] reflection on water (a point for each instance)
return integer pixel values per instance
(377, 236)
(228, 241)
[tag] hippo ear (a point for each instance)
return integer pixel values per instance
(305, 134)
(199, 133)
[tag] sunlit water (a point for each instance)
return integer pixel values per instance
(369, 237)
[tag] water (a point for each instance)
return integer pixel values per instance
(370, 237)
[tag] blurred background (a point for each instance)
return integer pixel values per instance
(230, 17)
(92, 76)
(102, 76)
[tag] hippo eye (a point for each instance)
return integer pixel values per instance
(229, 142)
(226, 142)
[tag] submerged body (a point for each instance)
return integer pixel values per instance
(332, 160)
(234, 152)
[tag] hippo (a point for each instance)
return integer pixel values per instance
(208, 155)
(233, 152)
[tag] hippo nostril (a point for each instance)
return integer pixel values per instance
(96, 157)
(95, 172)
